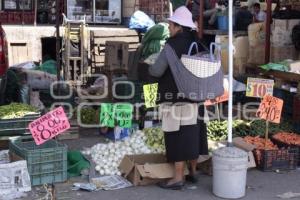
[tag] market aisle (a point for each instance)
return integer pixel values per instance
(261, 186)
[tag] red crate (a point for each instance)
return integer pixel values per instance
(3, 17)
(281, 159)
(28, 18)
(10, 17)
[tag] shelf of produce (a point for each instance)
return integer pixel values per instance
(286, 76)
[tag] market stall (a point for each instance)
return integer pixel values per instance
(117, 102)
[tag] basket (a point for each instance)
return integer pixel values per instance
(272, 160)
(281, 144)
(47, 163)
(12, 127)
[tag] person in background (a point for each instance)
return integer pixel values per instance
(186, 143)
(258, 15)
(243, 18)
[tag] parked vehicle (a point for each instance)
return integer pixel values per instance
(3, 52)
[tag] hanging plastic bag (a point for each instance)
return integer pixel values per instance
(140, 21)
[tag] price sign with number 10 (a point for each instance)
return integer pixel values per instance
(257, 87)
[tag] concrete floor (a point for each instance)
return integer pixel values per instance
(260, 185)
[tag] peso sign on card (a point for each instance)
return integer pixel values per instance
(49, 125)
(270, 109)
(257, 87)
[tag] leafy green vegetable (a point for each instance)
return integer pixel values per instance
(16, 110)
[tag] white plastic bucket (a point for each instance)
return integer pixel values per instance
(230, 172)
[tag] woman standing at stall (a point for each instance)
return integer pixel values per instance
(185, 142)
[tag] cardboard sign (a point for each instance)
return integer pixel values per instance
(123, 114)
(49, 125)
(257, 87)
(107, 115)
(217, 100)
(150, 94)
(118, 114)
(270, 109)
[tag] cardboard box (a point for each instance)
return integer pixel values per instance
(116, 55)
(282, 32)
(146, 169)
(240, 143)
(295, 66)
(205, 164)
(279, 54)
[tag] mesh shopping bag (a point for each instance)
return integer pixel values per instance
(199, 77)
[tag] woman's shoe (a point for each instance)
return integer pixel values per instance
(191, 178)
(175, 186)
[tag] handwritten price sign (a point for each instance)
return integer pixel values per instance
(257, 87)
(49, 125)
(217, 100)
(120, 114)
(270, 109)
(123, 113)
(150, 94)
(107, 115)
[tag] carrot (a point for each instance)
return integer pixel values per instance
(288, 138)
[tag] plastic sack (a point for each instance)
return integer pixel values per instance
(140, 21)
(48, 66)
(154, 39)
(35, 100)
(39, 79)
(275, 66)
(25, 65)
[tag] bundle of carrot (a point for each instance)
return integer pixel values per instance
(261, 144)
(288, 138)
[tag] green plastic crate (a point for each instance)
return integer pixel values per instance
(47, 163)
(11, 127)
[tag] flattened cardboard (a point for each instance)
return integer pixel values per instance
(146, 169)
(251, 160)
(240, 143)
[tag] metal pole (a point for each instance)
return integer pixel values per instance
(94, 11)
(201, 19)
(230, 102)
(268, 31)
(35, 11)
(58, 61)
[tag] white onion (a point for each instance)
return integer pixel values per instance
(108, 157)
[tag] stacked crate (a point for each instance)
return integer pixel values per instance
(158, 10)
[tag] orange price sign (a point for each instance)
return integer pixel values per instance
(257, 87)
(270, 109)
(217, 100)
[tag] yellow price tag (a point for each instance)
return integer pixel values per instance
(257, 87)
(150, 94)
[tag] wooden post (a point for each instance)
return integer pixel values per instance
(268, 31)
(267, 133)
(201, 19)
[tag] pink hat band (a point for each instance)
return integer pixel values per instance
(183, 17)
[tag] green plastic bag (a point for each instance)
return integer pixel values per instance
(76, 163)
(154, 39)
(48, 66)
